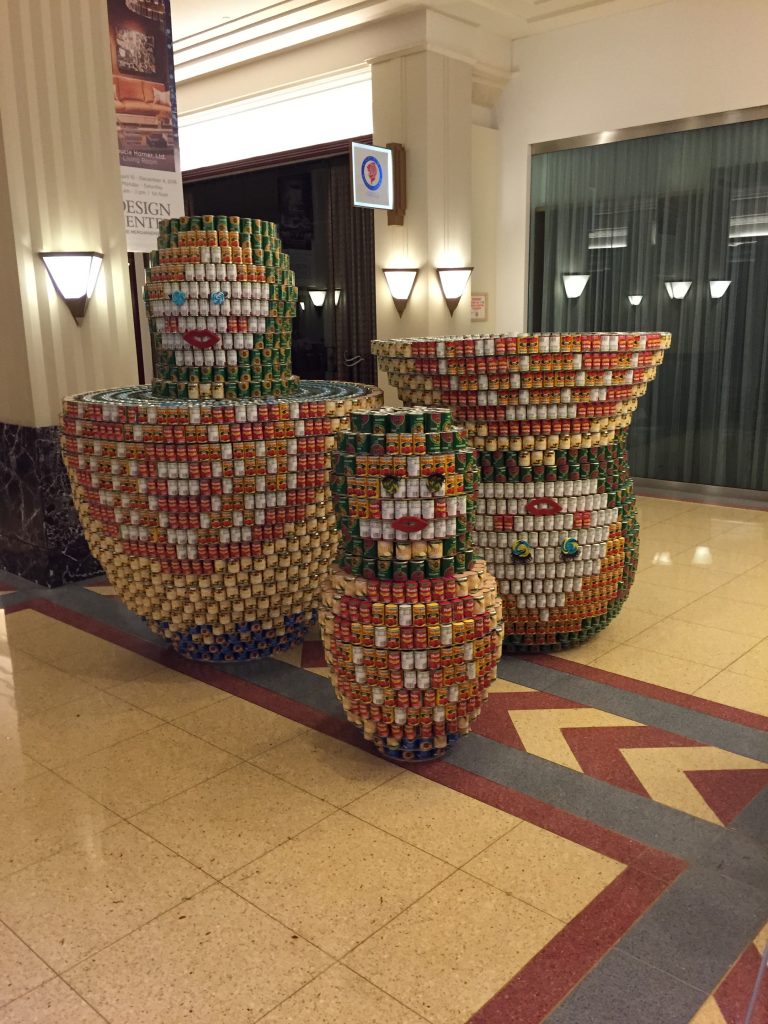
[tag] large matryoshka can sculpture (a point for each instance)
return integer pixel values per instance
(206, 496)
(411, 620)
(548, 416)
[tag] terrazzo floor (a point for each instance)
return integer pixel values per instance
(209, 844)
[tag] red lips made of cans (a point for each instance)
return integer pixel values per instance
(409, 524)
(543, 507)
(202, 338)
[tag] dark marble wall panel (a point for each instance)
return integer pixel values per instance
(40, 535)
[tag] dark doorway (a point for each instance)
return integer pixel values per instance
(330, 244)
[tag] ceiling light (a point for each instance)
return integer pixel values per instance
(74, 276)
(453, 281)
(400, 284)
(608, 238)
(574, 284)
(677, 289)
(635, 300)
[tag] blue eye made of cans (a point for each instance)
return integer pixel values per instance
(217, 298)
(178, 298)
(521, 551)
(570, 548)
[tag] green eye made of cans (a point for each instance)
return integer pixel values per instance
(435, 482)
(570, 548)
(521, 551)
(390, 485)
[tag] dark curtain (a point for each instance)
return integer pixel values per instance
(351, 271)
(688, 206)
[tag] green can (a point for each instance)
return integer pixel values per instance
(379, 422)
(433, 568)
(414, 421)
(417, 569)
(360, 421)
(384, 568)
(370, 547)
(433, 442)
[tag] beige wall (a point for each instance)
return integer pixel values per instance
(675, 60)
(61, 183)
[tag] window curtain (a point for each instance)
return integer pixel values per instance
(641, 214)
(351, 272)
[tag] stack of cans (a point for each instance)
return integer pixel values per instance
(207, 502)
(221, 296)
(411, 621)
(548, 416)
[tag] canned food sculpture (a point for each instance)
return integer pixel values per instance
(548, 415)
(411, 621)
(205, 497)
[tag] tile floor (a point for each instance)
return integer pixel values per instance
(214, 843)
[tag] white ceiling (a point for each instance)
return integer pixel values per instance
(510, 18)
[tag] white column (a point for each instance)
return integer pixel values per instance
(423, 100)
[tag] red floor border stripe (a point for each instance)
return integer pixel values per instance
(555, 971)
(639, 686)
(557, 968)
(585, 833)
(734, 992)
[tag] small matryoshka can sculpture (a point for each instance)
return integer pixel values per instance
(411, 622)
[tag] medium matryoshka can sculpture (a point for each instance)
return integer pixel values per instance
(411, 621)
(206, 497)
(548, 416)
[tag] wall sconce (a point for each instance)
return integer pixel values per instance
(400, 284)
(317, 296)
(717, 289)
(74, 276)
(336, 296)
(677, 289)
(302, 305)
(635, 300)
(574, 284)
(453, 281)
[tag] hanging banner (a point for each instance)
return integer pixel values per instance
(145, 107)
